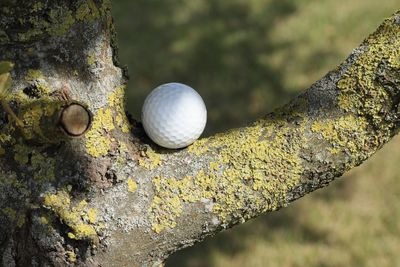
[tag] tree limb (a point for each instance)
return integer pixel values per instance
(112, 198)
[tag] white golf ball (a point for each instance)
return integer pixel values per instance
(174, 115)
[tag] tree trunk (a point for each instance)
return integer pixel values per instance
(110, 197)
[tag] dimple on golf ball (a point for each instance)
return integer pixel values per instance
(174, 115)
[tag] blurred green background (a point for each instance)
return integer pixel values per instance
(246, 57)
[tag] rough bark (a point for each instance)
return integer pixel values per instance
(112, 198)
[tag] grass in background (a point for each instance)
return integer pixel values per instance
(246, 57)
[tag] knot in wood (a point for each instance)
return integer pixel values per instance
(75, 120)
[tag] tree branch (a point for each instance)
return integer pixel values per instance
(113, 198)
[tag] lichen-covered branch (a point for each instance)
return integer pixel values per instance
(112, 198)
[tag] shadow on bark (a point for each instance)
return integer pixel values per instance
(32, 168)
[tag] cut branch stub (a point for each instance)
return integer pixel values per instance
(75, 119)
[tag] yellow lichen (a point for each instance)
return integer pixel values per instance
(32, 118)
(122, 121)
(254, 168)
(261, 164)
(71, 256)
(87, 11)
(14, 216)
(91, 59)
(37, 6)
(83, 231)
(10, 179)
(36, 112)
(57, 22)
(34, 75)
(81, 205)
(116, 100)
(359, 90)
(45, 18)
(4, 38)
(98, 142)
(44, 167)
(164, 210)
(44, 220)
(60, 21)
(21, 221)
(132, 185)
(4, 139)
(37, 118)
(60, 204)
(199, 147)
(347, 133)
(214, 166)
(92, 215)
(10, 212)
(123, 148)
(21, 153)
(151, 161)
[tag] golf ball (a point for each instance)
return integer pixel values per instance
(174, 115)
